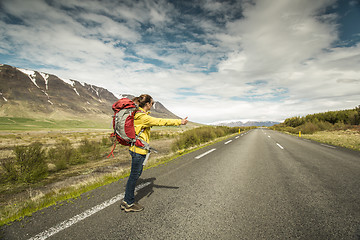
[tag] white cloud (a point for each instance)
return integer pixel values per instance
(277, 35)
(107, 29)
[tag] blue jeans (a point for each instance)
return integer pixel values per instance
(136, 170)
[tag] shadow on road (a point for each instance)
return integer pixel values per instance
(149, 189)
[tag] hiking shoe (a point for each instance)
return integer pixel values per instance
(135, 207)
(123, 205)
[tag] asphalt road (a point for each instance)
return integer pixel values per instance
(260, 185)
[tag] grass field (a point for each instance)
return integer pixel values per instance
(29, 124)
(347, 139)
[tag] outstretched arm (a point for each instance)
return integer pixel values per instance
(184, 121)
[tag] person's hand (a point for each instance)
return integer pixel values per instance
(184, 121)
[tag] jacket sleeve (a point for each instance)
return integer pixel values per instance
(149, 121)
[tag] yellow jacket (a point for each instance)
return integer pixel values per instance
(142, 120)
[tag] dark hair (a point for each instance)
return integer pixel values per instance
(142, 100)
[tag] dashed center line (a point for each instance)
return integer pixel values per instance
(201, 155)
(279, 146)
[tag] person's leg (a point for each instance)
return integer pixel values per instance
(136, 170)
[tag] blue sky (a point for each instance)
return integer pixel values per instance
(208, 60)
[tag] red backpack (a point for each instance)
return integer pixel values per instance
(123, 125)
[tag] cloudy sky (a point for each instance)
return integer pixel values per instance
(209, 60)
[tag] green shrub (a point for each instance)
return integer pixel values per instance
(31, 162)
(200, 135)
(87, 150)
(61, 155)
(106, 141)
(10, 171)
(324, 125)
(78, 157)
(64, 154)
(85, 146)
(326, 120)
(294, 122)
(309, 128)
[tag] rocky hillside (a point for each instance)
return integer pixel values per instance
(28, 93)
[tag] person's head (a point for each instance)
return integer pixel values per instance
(144, 101)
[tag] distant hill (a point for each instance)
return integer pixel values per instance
(247, 124)
(33, 94)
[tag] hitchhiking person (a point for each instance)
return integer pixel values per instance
(142, 122)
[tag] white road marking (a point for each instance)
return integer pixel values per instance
(269, 137)
(279, 146)
(201, 155)
(228, 142)
(236, 137)
(327, 146)
(68, 223)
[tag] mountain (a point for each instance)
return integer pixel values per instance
(28, 93)
(247, 124)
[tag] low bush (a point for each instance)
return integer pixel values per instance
(89, 149)
(159, 135)
(29, 164)
(32, 162)
(200, 135)
(107, 141)
(64, 154)
(308, 128)
(10, 172)
(61, 155)
(311, 127)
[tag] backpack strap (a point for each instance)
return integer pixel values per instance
(146, 145)
(114, 146)
(112, 150)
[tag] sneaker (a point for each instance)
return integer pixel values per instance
(123, 205)
(135, 207)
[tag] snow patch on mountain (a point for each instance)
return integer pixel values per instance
(45, 77)
(71, 83)
(68, 81)
(95, 90)
(30, 74)
(3, 97)
(76, 92)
